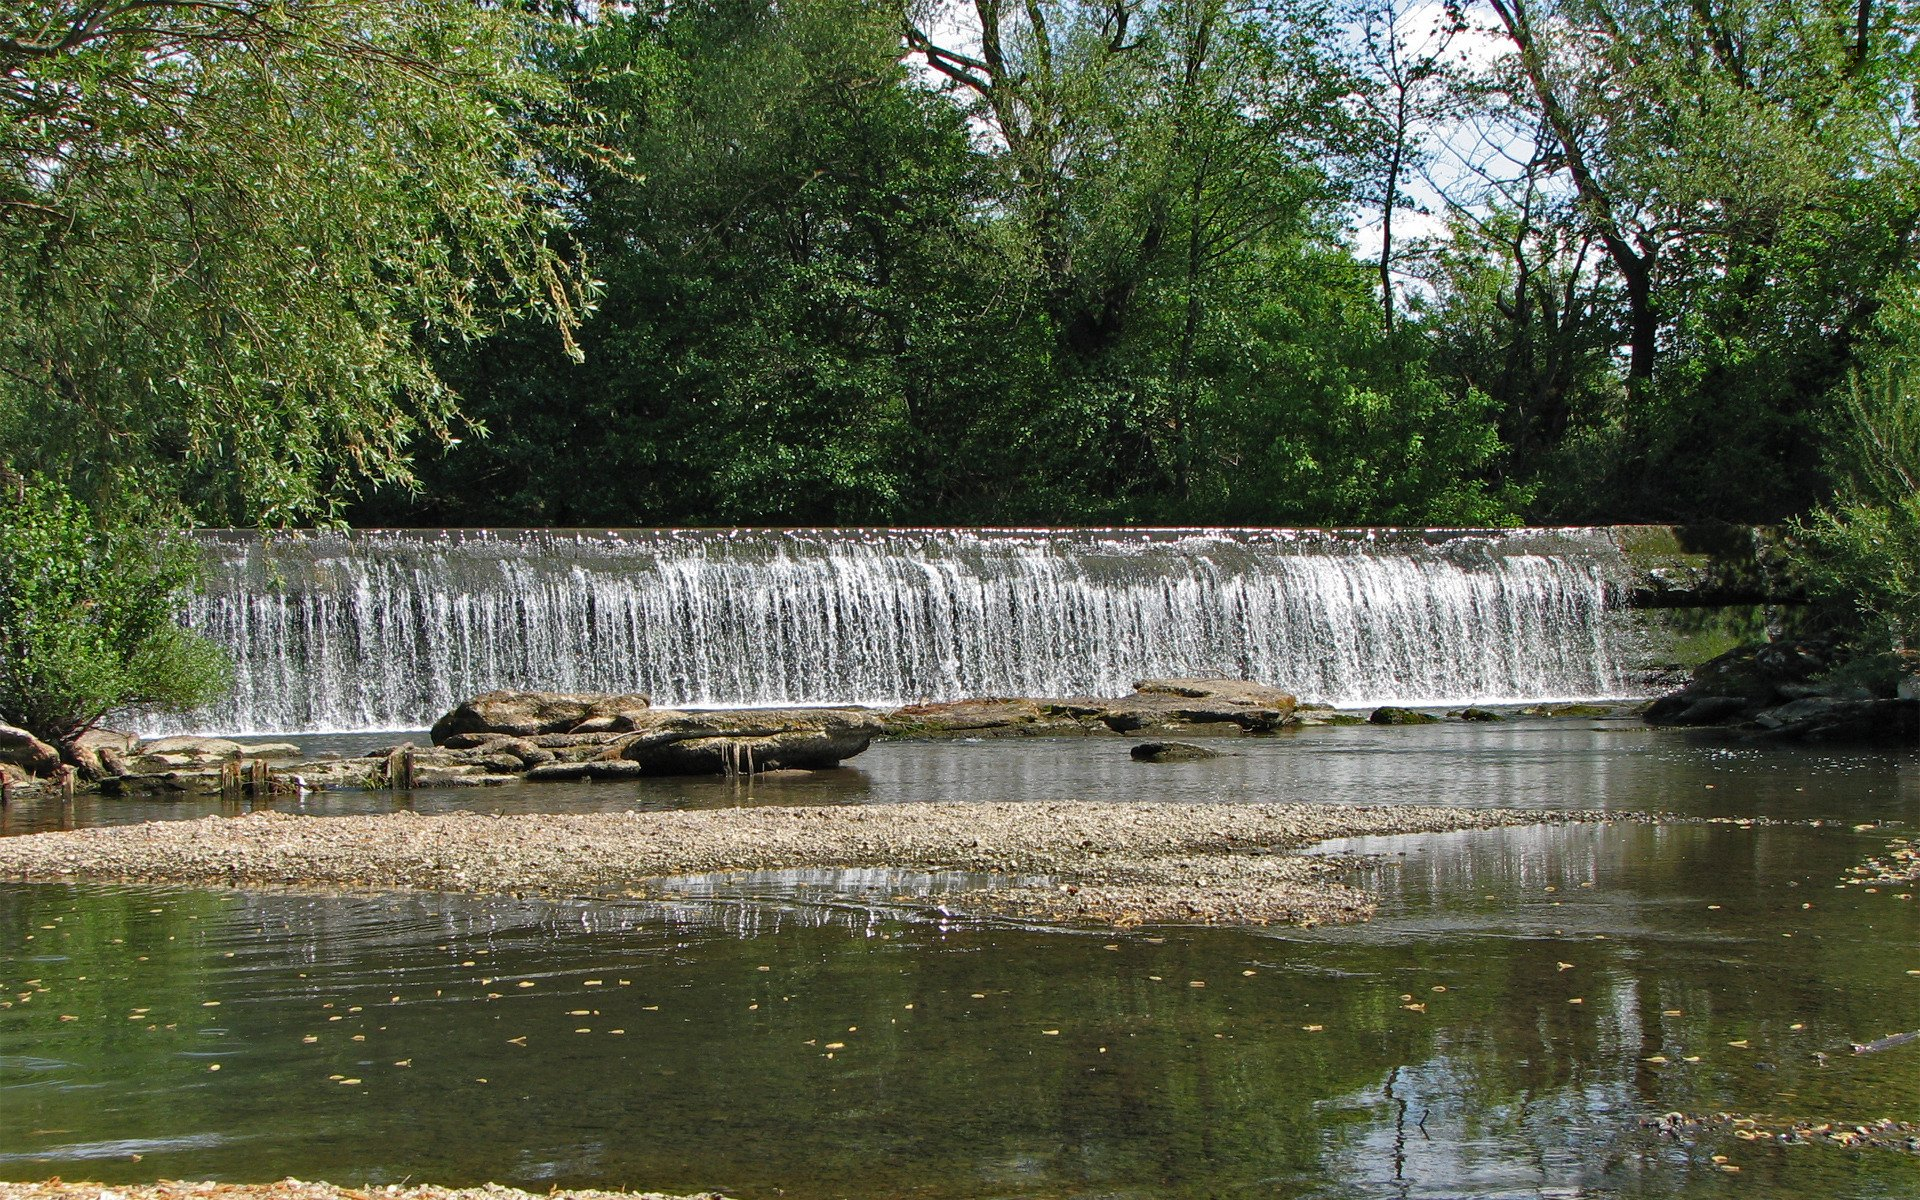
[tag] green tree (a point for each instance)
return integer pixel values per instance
(1863, 550)
(236, 231)
(88, 618)
(1744, 172)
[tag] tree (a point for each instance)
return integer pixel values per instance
(1863, 550)
(1745, 172)
(87, 619)
(236, 231)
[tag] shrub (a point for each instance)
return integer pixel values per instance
(1863, 550)
(88, 617)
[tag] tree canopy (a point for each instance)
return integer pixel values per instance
(867, 261)
(237, 231)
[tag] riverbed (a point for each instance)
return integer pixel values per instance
(1524, 1001)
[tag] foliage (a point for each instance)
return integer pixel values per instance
(1721, 193)
(88, 618)
(1864, 549)
(234, 232)
(1092, 274)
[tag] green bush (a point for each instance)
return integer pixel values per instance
(1863, 550)
(88, 617)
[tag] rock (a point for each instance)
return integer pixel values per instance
(1392, 715)
(104, 752)
(1252, 707)
(1243, 692)
(21, 749)
(748, 740)
(190, 749)
(1568, 710)
(202, 781)
(524, 714)
(1705, 710)
(1869, 722)
(1747, 679)
(571, 771)
(471, 775)
(1756, 672)
(269, 750)
(1478, 714)
(989, 715)
(1163, 752)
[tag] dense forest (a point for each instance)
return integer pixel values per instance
(966, 261)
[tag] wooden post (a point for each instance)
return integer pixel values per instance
(257, 782)
(6, 789)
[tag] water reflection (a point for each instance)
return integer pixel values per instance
(829, 1047)
(1524, 998)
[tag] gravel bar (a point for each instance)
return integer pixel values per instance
(1117, 864)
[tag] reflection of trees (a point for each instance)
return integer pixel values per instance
(946, 1082)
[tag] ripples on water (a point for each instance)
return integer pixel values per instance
(821, 1035)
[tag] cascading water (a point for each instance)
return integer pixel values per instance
(385, 630)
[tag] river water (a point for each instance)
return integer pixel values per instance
(1492, 1033)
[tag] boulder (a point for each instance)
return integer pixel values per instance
(269, 750)
(1157, 703)
(1389, 714)
(1756, 673)
(104, 752)
(525, 714)
(1477, 714)
(21, 749)
(1165, 752)
(747, 740)
(1893, 722)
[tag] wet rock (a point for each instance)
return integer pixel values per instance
(1477, 714)
(21, 749)
(748, 740)
(1752, 677)
(269, 750)
(1568, 710)
(1161, 703)
(568, 772)
(1392, 715)
(1165, 752)
(1242, 692)
(987, 715)
(1868, 722)
(1692, 710)
(525, 714)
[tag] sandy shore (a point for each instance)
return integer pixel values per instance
(1119, 864)
(294, 1189)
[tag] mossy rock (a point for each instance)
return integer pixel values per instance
(1569, 710)
(1392, 715)
(1478, 714)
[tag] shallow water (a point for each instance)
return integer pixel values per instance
(822, 1035)
(1613, 764)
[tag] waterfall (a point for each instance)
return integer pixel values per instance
(385, 630)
